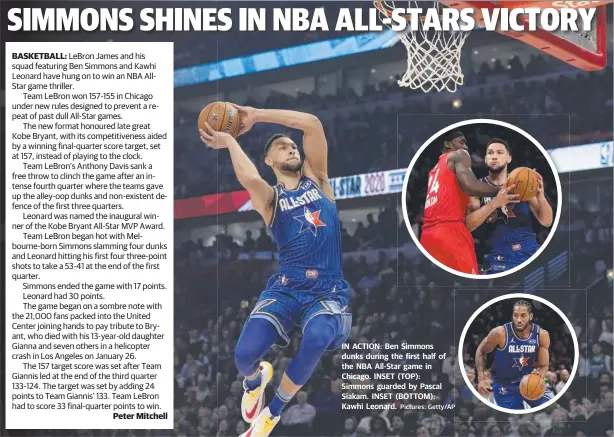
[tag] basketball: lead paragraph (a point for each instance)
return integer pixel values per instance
(89, 247)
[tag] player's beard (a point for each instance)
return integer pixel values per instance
(293, 166)
(497, 170)
(521, 329)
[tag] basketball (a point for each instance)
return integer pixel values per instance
(532, 387)
(222, 117)
(526, 181)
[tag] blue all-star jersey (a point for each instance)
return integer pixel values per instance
(508, 228)
(305, 226)
(518, 357)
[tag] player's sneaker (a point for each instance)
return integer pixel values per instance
(253, 401)
(263, 425)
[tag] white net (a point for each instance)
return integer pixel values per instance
(433, 56)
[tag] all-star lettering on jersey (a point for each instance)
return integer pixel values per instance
(305, 226)
(518, 357)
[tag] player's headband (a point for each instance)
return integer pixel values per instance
(453, 135)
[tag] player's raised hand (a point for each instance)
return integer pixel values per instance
(485, 387)
(215, 139)
(248, 117)
(504, 197)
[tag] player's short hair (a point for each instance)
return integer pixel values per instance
(524, 303)
(271, 140)
(500, 141)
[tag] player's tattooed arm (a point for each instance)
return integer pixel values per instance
(495, 338)
(543, 353)
(477, 215)
(541, 208)
(260, 192)
(460, 163)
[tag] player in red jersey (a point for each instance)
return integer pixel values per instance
(451, 183)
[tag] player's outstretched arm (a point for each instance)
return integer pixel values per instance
(261, 193)
(495, 338)
(541, 207)
(543, 353)
(477, 215)
(460, 163)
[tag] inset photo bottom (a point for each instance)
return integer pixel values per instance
(518, 353)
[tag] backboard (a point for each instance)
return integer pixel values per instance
(583, 50)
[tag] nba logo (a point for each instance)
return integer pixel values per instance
(284, 280)
(606, 155)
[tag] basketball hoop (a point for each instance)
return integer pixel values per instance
(433, 56)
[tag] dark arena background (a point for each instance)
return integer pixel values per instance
(374, 129)
(224, 253)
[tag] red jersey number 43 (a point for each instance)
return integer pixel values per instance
(433, 187)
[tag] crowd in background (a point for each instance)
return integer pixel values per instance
(585, 211)
(351, 121)
(208, 388)
(378, 230)
(397, 297)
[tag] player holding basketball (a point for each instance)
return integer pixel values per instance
(450, 184)
(521, 348)
(506, 221)
(309, 291)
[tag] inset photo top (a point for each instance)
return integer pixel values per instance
(481, 199)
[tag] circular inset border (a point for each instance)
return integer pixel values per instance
(572, 332)
(559, 199)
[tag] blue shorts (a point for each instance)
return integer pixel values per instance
(292, 299)
(507, 395)
(506, 257)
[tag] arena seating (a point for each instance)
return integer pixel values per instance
(363, 137)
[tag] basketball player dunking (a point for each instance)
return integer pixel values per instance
(309, 291)
(450, 184)
(507, 222)
(521, 348)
